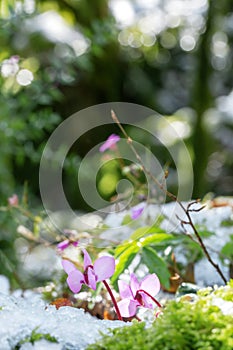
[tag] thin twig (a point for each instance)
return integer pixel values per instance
(130, 142)
(173, 197)
(216, 266)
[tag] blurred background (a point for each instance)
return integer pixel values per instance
(58, 57)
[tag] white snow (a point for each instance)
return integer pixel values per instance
(72, 328)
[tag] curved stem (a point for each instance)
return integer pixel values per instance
(152, 298)
(113, 300)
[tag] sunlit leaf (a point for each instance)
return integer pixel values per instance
(143, 231)
(126, 220)
(155, 238)
(124, 261)
(122, 247)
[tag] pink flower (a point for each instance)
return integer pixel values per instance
(65, 244)
(103, 268)
(137, 211)
(110, 143)
(13, 201)
(10, 67)
(138, 294)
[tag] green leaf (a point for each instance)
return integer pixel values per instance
(156, 265)
(6, 263)
(35, 336)
(205, 233)
(122, 247)
(227, 250)
(227, 223)
(126, 220)
(143, 231)
(155, 238)
(125, 260)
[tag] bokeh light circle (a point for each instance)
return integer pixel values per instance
(71, 129)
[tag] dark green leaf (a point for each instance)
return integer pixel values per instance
(227, 250)
(156, 265)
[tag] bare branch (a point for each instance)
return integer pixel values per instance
(174, 198)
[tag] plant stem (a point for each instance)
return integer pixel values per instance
(216, 266)
(113, 300)
(173, 197)
(152, 298)
(130, 142)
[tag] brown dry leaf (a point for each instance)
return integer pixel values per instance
(108, 315)
(61, 302)
(219, 202)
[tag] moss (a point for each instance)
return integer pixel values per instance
(35, 336)
(199, 325)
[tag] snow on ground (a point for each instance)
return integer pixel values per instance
(72, 328)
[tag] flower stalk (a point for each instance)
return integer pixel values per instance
(113, 300)
(150, 296)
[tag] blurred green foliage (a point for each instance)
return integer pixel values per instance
(81, 55)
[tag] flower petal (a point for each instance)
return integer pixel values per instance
(125, 290)
(91, 278)
(63, 245)
(75, 280)
(137, 211)
(68, 266)
(151, 284)
(127, 307)
(13, 201)
(104, 267)
(146, 301)
(134, 284)
(109, 143)
(87, 260)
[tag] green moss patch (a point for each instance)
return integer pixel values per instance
(184, 325)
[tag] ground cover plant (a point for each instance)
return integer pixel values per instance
(195, 323)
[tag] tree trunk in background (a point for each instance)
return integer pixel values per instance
(203, 94)
(201, 101)
(89, 10)
(85, 11)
